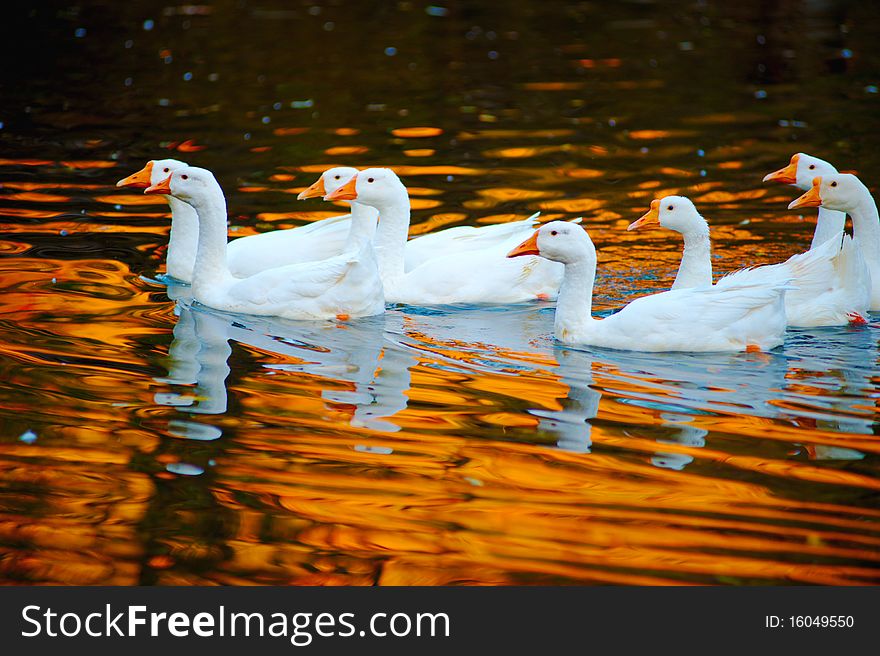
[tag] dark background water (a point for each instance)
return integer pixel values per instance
(642, 92)
(144, 441)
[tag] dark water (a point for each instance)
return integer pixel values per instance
(143, 440)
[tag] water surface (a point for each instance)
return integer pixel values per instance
(145, 440)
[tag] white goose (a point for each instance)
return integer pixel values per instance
(827, 288)
(737, 317)
(846, 193)
(343, 286)
(315, 241)
(443, 243)
(457, 274)
(246, 255)
(800, 172)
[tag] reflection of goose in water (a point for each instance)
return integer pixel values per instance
(698, 383)
(508, 340)
(514, 340)
(683, 433)
(830, 375)
(820, 378)
(571, 425)
(480, 333)
(675, 388)
(389, 384)
(198, 356)
(685, 386)
(787, 386)
(353, 353)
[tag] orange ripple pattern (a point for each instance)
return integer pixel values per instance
(148, 441)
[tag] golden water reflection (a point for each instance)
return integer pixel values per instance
(174, 445)
(147, 440)
(429, 447)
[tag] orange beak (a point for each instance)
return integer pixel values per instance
(810, 198)
(528, 247)
(163, 187)
(317, 189)
(788, 175)
(348, 191)
(140, 180)
(649, 218)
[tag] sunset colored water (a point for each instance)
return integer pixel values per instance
(145, 439)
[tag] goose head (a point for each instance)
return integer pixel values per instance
(801, 170)
(376, 187)
(674, 213)
(840, 191)
(330, 181)
(559, 241)
(153, 173)
(191, 184)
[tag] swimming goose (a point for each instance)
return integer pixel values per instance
(343, 286)
(846, 193)
(736, 317)
(828, 290)
(184, 237)
(246, 255)
(800, 172)
(451, 241)
(480, 275)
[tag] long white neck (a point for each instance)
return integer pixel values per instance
(184, 240)
(575, 302)
(829, 224)
(866, 228)
(695, 269)
(210, 266)
(363, 225)
(391, 235)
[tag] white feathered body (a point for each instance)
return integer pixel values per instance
(309, 243)
(346, 284)
(707, 319)
(830, 283)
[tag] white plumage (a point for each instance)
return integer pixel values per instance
(345, 285)
(736, 317)
(468, 264)
(826, 288)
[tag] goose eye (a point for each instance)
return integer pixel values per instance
(554, 233)
(337, 177)
(165, 170)
(369, 179)
(670, 208)
(812, 166)
(184, 177)
(833, 184)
